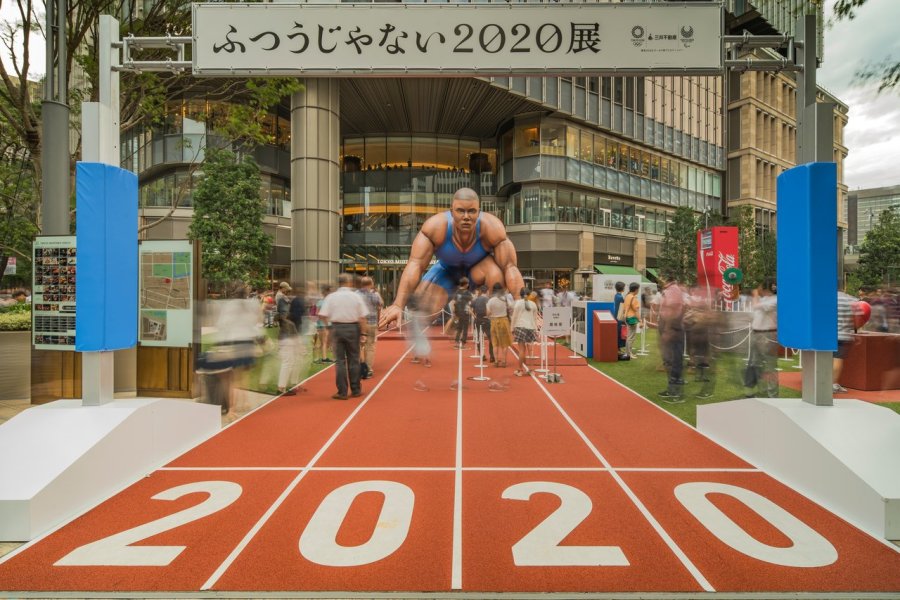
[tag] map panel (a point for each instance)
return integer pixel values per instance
(166, 279)
(165, 283)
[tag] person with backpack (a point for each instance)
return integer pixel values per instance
(462, 301)
(619, 314)
(632, 305)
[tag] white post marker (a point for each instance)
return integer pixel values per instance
(557, 322)
(477, 341)
(571, 345)
(543, 346)
(642, 327)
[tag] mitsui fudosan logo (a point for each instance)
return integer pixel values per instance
(640, 35)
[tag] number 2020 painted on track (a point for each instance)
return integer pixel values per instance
(539, 547)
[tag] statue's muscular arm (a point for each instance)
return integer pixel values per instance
(493, 236)
(429, 237)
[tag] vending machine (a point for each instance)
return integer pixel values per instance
(717, 251)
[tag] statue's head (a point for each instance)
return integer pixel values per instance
(464, 209)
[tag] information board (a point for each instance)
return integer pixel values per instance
(166, 299)
(53, 292)
(557, 321)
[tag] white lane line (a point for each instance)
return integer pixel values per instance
(664, 411)
(480, 469)
(688, 564)
(456, 568)
(217, 574)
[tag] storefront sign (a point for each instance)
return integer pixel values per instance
(615, 259)
(456, 39)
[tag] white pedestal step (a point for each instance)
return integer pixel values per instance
(843, 456)
(59, 459)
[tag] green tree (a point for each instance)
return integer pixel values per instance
(766, 262)
(17, 210)
(757, 252)
(228, 221)
(879, 254)
(748, 248)
(678, 257)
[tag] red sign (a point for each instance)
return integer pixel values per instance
(717, 250)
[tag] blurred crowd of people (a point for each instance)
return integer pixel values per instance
(694, 331)
(316, 324)
(496, 318)
(328, 323)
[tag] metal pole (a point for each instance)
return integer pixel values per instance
(55, 128)
(101, 132)
(815, 143)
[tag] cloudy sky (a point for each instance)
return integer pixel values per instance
(873, 134)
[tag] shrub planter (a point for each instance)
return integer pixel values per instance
(15, 365)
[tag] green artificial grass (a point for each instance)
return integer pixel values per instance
(645, 376)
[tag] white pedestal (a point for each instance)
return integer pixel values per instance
(843, 456)
(59, 459)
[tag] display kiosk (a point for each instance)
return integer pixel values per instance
(583, 325)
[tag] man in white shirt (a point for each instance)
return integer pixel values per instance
(565, 297)
(764, 342)
(547, 296)
(345, 311)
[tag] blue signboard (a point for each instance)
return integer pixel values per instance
(106, 235)
(807, 257)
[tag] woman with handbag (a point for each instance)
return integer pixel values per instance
(632, 306)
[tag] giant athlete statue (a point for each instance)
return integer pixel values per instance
(467, 243)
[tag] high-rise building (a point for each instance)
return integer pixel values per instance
(865, 207)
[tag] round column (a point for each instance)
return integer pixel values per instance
(315, 169)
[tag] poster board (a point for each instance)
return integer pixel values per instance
(53, 292)
(166, 293)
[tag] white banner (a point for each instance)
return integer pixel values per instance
(456, 39)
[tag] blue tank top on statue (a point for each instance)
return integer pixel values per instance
(450, 256)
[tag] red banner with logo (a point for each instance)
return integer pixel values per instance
(717, 250)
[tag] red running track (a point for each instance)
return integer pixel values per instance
(575, 487)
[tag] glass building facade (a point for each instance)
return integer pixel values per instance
(165, 158)
(163, 155)
(392, 184)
